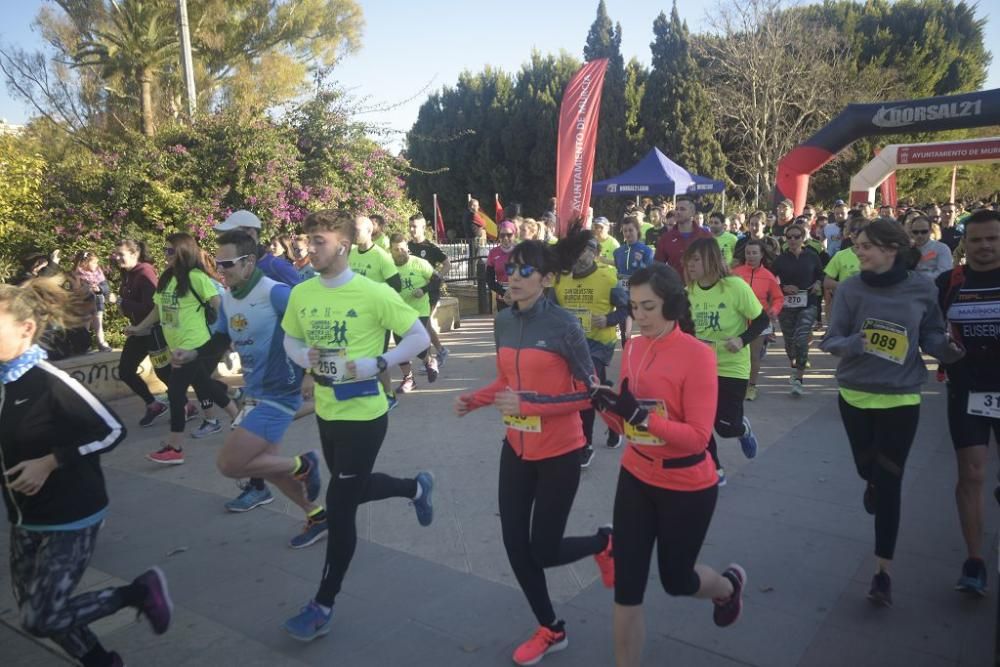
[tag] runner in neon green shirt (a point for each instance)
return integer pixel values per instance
(726, 240)
(335, 325)
(607, 242)
(416, 275)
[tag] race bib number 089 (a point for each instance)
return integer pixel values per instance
(886, 340)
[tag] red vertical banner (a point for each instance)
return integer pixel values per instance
(581, 104)
(439, 230)
(499, 207)
(889, 190)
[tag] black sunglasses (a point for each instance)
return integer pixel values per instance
(524, 270)
(920, 231)
(793, 237)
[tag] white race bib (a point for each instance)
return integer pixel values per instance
(798, 300)
(332, 365)
(985, 404)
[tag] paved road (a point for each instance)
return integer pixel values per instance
(444, 595)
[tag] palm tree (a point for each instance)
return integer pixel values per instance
(139, 40)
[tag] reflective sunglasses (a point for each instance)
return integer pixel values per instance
(229, 263)
(524, 270)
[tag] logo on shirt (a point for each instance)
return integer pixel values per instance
(338, 333)
(408, 283)
(722, 306)
(238, 322)
(351, 313)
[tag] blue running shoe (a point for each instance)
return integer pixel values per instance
(311, 534)
(310, 623)
(250, 498)
(973, 579)
(311, 479)
(748, 441)
(423, 505)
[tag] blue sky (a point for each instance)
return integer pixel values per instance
(409, 45)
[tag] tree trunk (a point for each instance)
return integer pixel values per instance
(146, 83)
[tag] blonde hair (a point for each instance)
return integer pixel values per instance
(51, 301)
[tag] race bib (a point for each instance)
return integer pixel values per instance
(160, 358)
(637, 435)
(332, 365)
(168, 316)
(984, 404)
(530, 424)
(798, 300)
(886, 340)
(623, 283)
(584, 316)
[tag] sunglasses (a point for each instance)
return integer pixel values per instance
(524, 270)
(920, 231)
(506, 236)
(229, 263)
(793, 237)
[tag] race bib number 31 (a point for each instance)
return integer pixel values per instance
(886, 340)
(984, 404)
(638, 435)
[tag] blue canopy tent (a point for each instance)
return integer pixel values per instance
(656, 174)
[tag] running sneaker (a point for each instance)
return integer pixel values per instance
(727, 611)
(752, 392)
(249, 498)
(424, 505)
(721, 472)
(586, 456)
(614, 440)
(973, 579)
(310, 623)
(432, 369)
(880, 593)
(543, 642)
(190, 411)
(167, 455)
(748, 441)
(606, 559)
(442, 356)
(157, 606)
(311, 478)
(208, 427)
(407, 385)
(313, 532)
(153, 410)
(797, 388)
(868, 499)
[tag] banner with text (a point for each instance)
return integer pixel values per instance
(581, 105)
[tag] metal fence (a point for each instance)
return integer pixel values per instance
(463, 260)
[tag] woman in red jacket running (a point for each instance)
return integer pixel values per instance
(667, 486)
(754, 259)
(543, 371)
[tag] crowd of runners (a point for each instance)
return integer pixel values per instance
(692, 303)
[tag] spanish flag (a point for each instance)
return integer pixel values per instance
(488, 225)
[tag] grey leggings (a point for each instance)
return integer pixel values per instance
(45, 567)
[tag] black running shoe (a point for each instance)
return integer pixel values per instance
(880, 593)
(586, 456)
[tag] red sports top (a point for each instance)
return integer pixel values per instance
(764, 285)
(678, 371)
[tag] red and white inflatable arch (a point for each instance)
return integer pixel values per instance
(917, 156)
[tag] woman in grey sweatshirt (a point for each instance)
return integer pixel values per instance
(881, 320)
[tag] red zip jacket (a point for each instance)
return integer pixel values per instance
(678, 372)
(764, 285)
(541, 353)
(672, 244)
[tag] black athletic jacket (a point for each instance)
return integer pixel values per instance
(43, 412)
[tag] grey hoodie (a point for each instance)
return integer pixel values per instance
(910, 305)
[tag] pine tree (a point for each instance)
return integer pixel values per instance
(604, 41)
(674, 110)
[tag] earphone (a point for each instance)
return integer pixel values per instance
(342, 250)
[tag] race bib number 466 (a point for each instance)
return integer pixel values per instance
(886, 340)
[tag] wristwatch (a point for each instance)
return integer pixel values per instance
(381, 363)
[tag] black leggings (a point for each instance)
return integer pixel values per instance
(676, 521)
(197, 374)
(880, 442)
(535, 500)
(350, 449)
(587, 416)
(728, 413)
(134, 351)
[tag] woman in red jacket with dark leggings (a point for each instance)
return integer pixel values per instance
(543, 371)
(667, 486)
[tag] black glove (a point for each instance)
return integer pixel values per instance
(602, 398)
(628, 408)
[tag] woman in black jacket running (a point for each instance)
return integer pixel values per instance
(52, 431)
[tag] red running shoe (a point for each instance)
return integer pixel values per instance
(543, 642)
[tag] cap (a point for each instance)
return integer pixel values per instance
(601, 220)
(786, 202)
(840, 202)
(239, 219)
(508, 226)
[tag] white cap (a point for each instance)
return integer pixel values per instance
(239, 219)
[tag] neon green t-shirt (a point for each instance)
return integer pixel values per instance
(643, 228)
(722, 312)
(416, 274)
(843, 265)
(375, 263)
(183, 319)
(727, 244)
(866, 400)
(608, 247)
(353, 318)
(382, 241)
